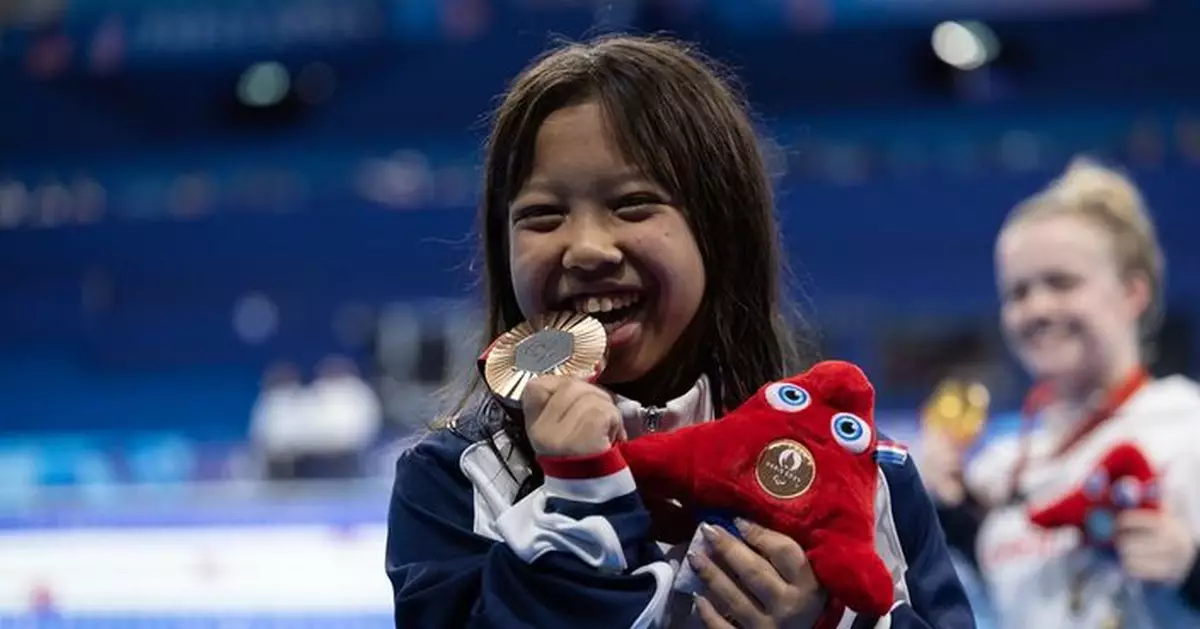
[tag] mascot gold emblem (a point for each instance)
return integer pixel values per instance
(558, 344)
(785, 469)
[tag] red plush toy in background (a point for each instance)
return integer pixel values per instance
(1124, 479)
(798, 458)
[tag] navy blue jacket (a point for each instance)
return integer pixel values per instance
(578, 553)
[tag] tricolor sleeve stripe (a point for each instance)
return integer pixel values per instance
(588, 507)
(592, 479)
(582, 467)
(891, 453)
(451, 565)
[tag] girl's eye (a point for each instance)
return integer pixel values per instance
(637, 199)
(1016, 293)
(636, 207)
(538, 217)
(1062, 282)
(534, 211)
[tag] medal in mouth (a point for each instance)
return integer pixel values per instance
(617, 310)
(561, 344)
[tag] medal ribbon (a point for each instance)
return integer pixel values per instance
(1043, 394)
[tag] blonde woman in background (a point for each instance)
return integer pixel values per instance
(1080, 275)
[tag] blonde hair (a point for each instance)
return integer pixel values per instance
(1111, 200)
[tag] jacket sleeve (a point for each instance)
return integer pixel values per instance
(961, 524)
(1189, 591)
(574, 553)
(929, 594)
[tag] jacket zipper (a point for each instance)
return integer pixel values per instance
(652, 417)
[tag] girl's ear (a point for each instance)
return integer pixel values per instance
(1139, 296)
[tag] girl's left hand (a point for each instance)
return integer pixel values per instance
(1155, 546)
(763, 583)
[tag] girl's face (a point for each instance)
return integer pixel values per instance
(589, 233)
(1067, 311)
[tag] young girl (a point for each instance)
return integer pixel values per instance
(623, 179)
(1080, 277)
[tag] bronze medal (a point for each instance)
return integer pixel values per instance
(559, 344)
(785, 469)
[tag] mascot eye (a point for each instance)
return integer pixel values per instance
(851, 432)
(1126, 493)
(786, 397)
(1095, 485)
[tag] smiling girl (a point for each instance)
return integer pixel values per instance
(1080, 275)
(624, 180)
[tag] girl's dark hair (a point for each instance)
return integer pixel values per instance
(674, 117)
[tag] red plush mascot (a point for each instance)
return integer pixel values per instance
(1124, 479)
(798, 458)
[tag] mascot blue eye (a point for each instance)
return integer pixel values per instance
(787, 397)
(1126, 493)
(1095, 485)
(851, 432)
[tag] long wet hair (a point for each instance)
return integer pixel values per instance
(676, 117)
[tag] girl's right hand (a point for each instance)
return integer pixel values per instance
(569, 417)
(941, 465)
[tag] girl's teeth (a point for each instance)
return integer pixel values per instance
(593, 305)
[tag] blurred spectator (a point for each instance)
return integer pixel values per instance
(318, 431)
(346, 417)
(276, 421)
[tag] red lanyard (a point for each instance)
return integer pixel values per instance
(1041, 395)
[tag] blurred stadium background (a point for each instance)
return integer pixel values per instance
(235, 246)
